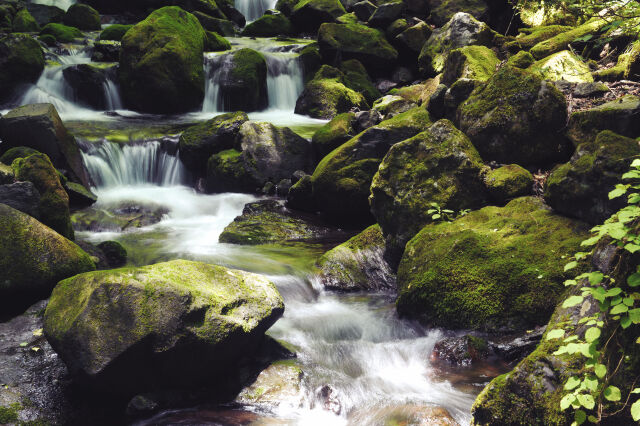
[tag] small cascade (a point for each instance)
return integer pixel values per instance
(254, 9)
(151, 162)
(62, 4)
(284, 81)
(112, 97)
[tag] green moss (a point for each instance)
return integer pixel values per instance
(216, 43)
(10, 414)
(82, 16)
(226, 171)
(333, 134)
(472, 62)
(62, 33)
(561, 41)
(445, 9)
(161, 62)
(269, 26)
(521, 60)
(495, 268)
(508, 182)
(16, 152)
(23, 22)
(526, 41)
(563, 65)
(357, 78)
(22, 61)
(617, 115)
(114, 32)
(48, 39)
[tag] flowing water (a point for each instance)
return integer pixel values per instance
(62, 4)
(254, 9)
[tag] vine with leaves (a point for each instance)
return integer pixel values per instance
(587, 392)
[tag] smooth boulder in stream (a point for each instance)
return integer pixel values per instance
(21, 62)
(178, 323)
(161, 63)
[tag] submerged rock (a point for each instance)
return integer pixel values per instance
(439, 165)
(357, 264)
(277, 385)
(463, 351)
(177, 323)
(161, 63)
(121, 218)
(497, 269)
(407, 414)
(268, 221)
(516, 117)
(33, 258)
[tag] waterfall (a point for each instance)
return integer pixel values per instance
(62, 4)
(284, 81)
(254, 9)
(111, 164)
(112, 95)
(52, 88)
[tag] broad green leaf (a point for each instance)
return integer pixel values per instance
(592, 419)
(634, 315)
(436, 216)
(631, 248)
(566, 401)
(586, 401)
(572, 383)
(618, 309)
(628, 301)
(600, 370)
(619, 191)
(634, 280)
(591, 383)
(570, 282)
(636, 390)
(570, 265)
(625, 321)
(592, 334)
(580, 417)
(612, 393)
(572, 301)
(635, 411)
(555, 334)
(596, 277)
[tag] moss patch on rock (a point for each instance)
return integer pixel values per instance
(62, 33)
(472, 62)
(114, 32)
(563, 65)
(508, 182)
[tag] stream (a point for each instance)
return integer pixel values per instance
(355, 343)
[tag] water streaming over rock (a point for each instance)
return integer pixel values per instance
(253, 9)
(150, 162)
(62, 4)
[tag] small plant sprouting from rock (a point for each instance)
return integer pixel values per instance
(588, 391)
(445, 215)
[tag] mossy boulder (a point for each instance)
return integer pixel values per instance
(391, 105)
(171, 324)
(327, 95)
(7, 12)
(342, 179)
(357, 78)
(161, 63)
(268, 154)
(269, 26)
(439, 165)
(580, 187)
(563, 65)
(521, 60)
(115, 253)
(529, 37)
(386, 13)
(106, 51)
(87, 83)
(357, 264)
(53, 207)
(410, 41)
(21, 62)
(443, 10)
(461, 30)
(16, 152)
(114, 32)
(472, 62)
(214, 42)
(498, 268)
(333, 134)
(217, 25)
(79, 196)
(310, 59)
(280, 384)
(562, 41)
(300, 196)
(6, 174)
(243, 81)
(39, 127)
(62, 33)
(22, 196)
(82, 16)
(44, 14)
(339, 42)
(268, 221)
(508, 182)
(516, 117)
(33, 258)
(619, 116)
(23, 22)
(199, 142)
(308, 15)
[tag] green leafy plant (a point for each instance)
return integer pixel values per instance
(618, 308)
(445, 215)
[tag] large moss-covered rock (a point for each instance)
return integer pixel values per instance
(62, 33)
(16, 152)
(521, 59)
(82, 16)
(87, 83)
(439, 165)
(619, 116)
(532, 36)
(221, 26)
(269, 26)
(498, 268)
(410, 41)
(308, 15)
(580, 187)
(23, 22)
(472, 62)
(269, 154)
(44, 14)
(243, 81)
(215, 42)
(161, 63)
(198, 143)
(516, 117)
(562, 40)
(333, 134)
(342, 179)
(386, 13)
(177, 323)
(53, 206)
(443, 10)
(33, 258)
(508, 182)
(38, 126)
(354, 41)
(563, 65)
(357, 264)
(462, 30)
(391, 105)
(357, 78)
(21, 61)
(327, 95)
(114, 32)
(531, 393)
(268, 221)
